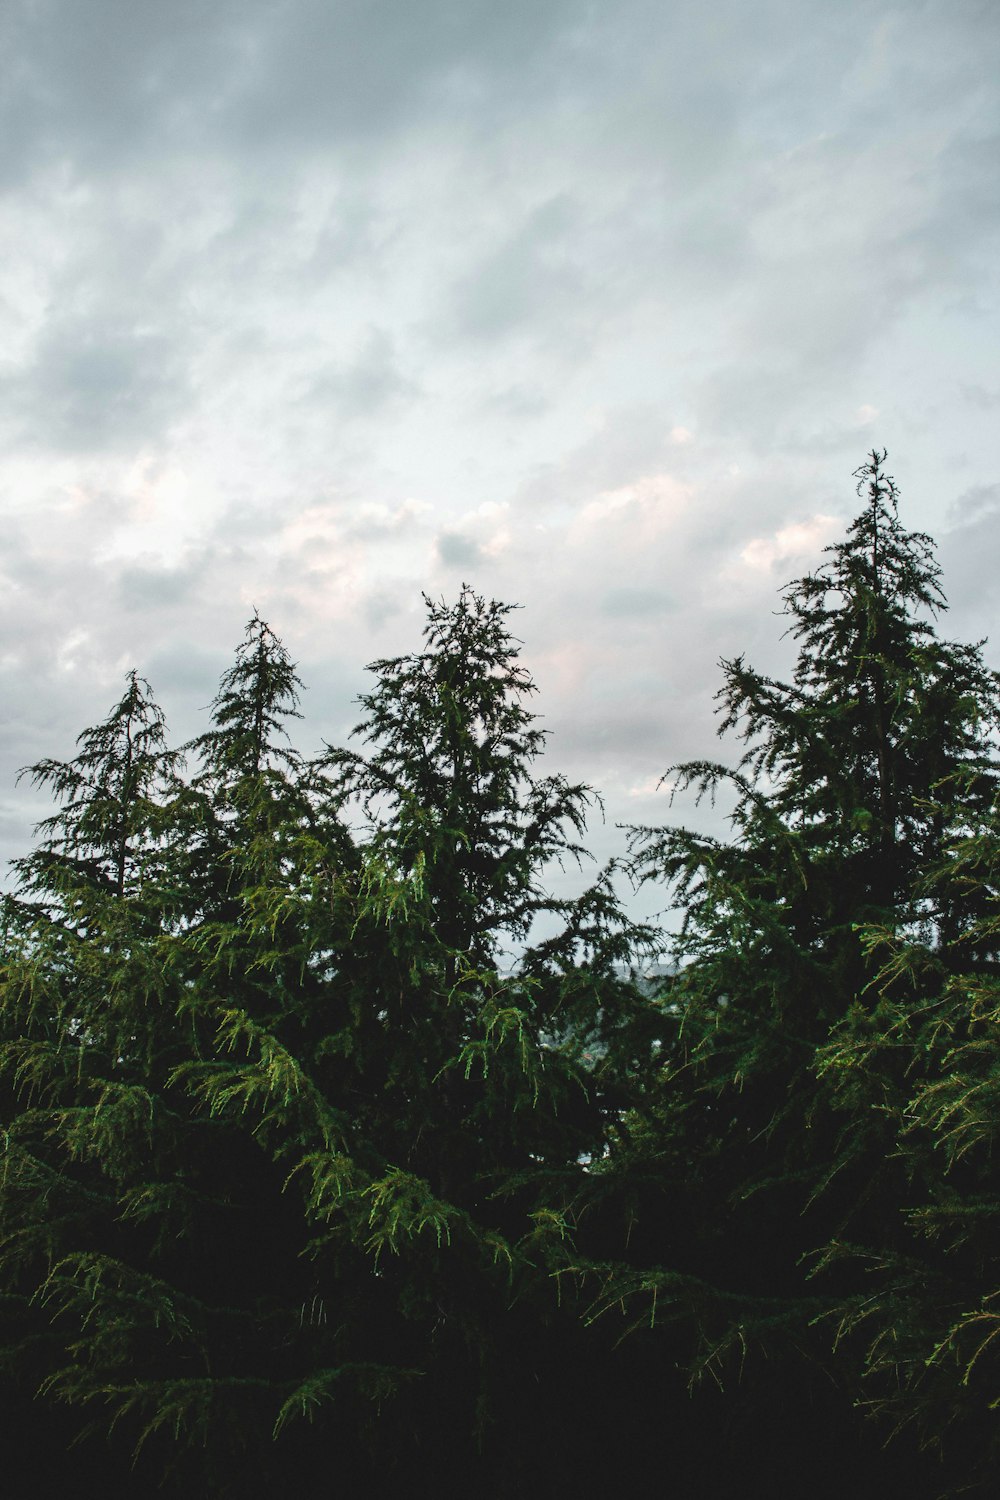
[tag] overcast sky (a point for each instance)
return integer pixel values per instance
(310, 305)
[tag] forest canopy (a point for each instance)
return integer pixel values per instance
(308, 1188)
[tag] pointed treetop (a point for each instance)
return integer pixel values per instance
(108, 794)
(257, 694)
(879, 575)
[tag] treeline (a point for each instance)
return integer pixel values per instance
(305, 1190)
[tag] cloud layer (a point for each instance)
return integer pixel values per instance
(310, 307)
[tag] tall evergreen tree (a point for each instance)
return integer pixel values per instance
(292, 1168)
(747, 1165)
(151, 1234)
(110, 820)
(88, 1042)
(913, 1073)
(477, 1084)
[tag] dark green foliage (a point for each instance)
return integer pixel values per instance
(775, 1142)
(127, 1205)
(462, 834)
(283, 1130)
(451, 778)
(338, 1151)
(110, 823)
(919, 1311)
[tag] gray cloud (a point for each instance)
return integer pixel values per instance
(365, 385)
(640, 603)
(968, 553)
(979, 397)
(528, 282)
(151, 588)
(102, 82)
(972, 503)
(516, 403)
(113, 82)
(625, 442)
(458, 551)
(92, 385)
(315, 305)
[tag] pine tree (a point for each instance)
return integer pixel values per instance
(154, 1259)
(287, 1142)
(89, 1040)
(913, 1073)
(749, 1163)
(106, 830)
(483, 1088)
(462, 826)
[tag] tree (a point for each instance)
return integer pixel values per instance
(479, 1082)
(857, 778)
(918, 1310)
(287, 1139)
(152, 1257)
(88, 1039)
(109, 823)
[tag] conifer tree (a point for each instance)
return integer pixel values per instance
(912, 1072)
(89, 1039)
(464, 830)
(286, 1141)
(110, 819)
(147, 1226)
(752, 1163)
(478, 1100)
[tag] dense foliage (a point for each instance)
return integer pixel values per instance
(339, 1151)
(283, 1127)
(815, 1177)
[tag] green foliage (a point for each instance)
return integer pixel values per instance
(336, 1148)
(279, 1119)
(921, 1064)
(450, 782)
(111, 820)
(809, 1082)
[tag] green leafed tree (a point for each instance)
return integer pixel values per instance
(287, 1136)
(858, 780)
(494, 1060)
(917, 1310)
(153, 1261)
(89, 1040)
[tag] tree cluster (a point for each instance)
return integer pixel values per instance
(342, 1156)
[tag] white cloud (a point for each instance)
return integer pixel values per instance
(802, 540)
(642, 510)
(311, 307)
